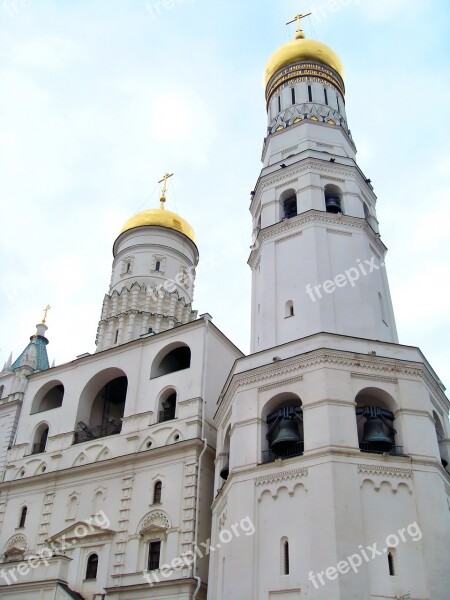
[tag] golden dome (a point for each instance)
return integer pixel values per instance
(300, 50)
(160, 217)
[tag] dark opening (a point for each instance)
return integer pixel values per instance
(326, 95)
(290, 207)
(41, 443)
(176, 360)
(157, 493)
(128, 267)
(154, 556)
(293, 95)
(286, 558)
(92, 566)
(52, 399)
(169, 407)
(158, 265)
(279, 103)
(310, 93)
(391, 564)
(116, 337)
(23, 516)
(285, 433)
(338, 103)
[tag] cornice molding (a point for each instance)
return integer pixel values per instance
(374, 377)
(385, 471)
(281, 476)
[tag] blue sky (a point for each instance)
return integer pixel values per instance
(99, 99)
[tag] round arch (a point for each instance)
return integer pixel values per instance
(48, 397)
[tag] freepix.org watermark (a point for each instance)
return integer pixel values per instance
(355, 561)
(323, 11)
(187, 559)
(81, 530)
(156, 8)
(350, 276)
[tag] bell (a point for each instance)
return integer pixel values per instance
(333, 205)
(225, 471)
(375, 434)
(287, 434)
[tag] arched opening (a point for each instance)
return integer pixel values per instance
(288, 201)
(225, 470)
(284, 427)
(333, 199)
(175, 357)
(92, 567)
(102, 406)
(285, 556)
(441, 439)
(50, 396)
(167, 406)
(289, 309)
(23, 517)
(40, 439)
(157, 492)
(375, 422)
(391, 563)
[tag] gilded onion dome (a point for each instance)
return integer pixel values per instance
(303, 57)
(159, 217)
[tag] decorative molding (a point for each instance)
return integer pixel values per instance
(155, 520)
(291, 148)
(374, 377)
(281, 476)
(340, 232)
(18, 541)
(385, 471)
(333, 179)
(285, 382)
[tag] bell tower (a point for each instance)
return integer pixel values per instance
(332, 437)
(317, 260)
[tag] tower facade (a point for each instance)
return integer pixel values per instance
(332, 437)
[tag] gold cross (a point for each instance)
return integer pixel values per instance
(164, 188)
(46, 309)
(299, 33)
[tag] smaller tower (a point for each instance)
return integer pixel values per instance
(153, 274)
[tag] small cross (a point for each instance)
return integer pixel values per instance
(46, 309)
(164, 187)
(298, 18)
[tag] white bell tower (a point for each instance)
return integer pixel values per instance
(318, 262)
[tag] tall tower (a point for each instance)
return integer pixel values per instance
(152, 280)
(313, 211)
(332, 438)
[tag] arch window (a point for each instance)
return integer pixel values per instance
(40, 439)
(225, 470)
(285, 557)
(92, 567)
(284, 427)
(440, 435)
(102, 406)
(171, 361)
(48, 398)
(375, 422)
(333, 199)
(158, 265)
(391, 563)
(23, 517)
(290, 207)
(157, 492)
(168, 406)
(289, 309)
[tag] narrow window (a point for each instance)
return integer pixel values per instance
(157, 493)
(150, 330)
(154, 556)
(338, 103)
(326, 95)
(158, 265)
(23, 516)
(286, 558)
(116, 337)
(92, 566)
(310, 93)
(382, 308)
(290, 207)
(391, 564)
(289, 309)
(128, 267)
(279, 103)
(293, 95)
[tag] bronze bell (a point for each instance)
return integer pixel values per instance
(225, 471)
(287, 434)
(333, 204)
(375, 434)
